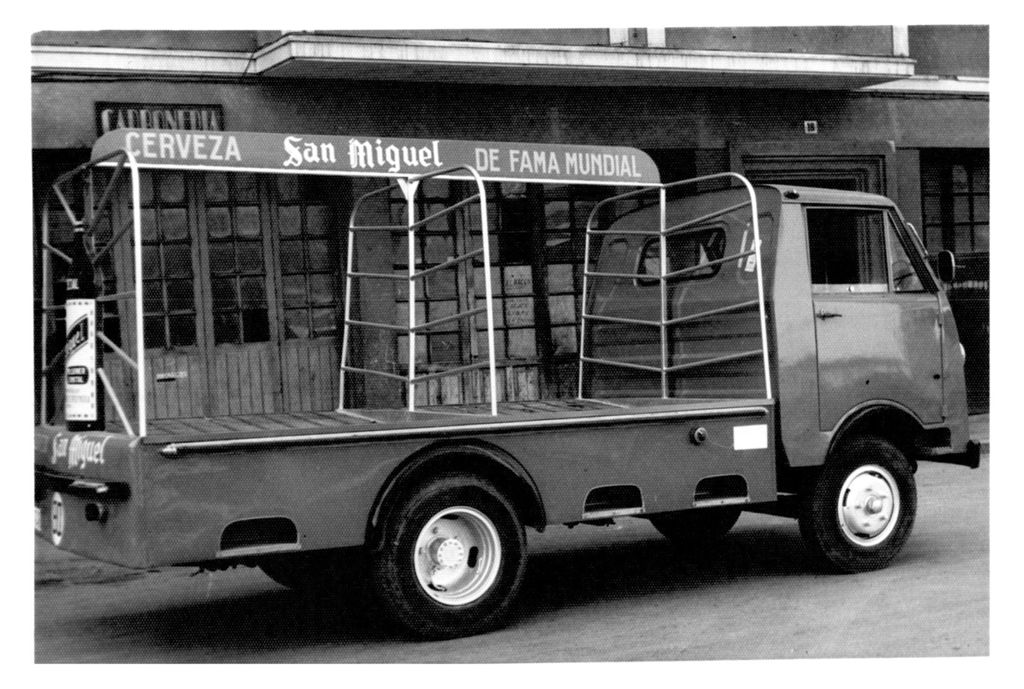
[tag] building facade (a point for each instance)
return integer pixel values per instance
(244, 274)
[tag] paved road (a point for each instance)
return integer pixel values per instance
(592, 594)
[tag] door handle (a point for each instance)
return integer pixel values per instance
(825, 315)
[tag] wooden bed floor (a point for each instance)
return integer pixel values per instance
(305, 423)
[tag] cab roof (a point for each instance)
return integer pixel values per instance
(816, 195)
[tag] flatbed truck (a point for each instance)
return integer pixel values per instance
(776, 349)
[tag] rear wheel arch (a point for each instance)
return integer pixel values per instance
(467, 458)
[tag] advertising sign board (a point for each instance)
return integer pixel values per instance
(381, 157)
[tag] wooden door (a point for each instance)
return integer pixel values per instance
(176, 383)
(240, 300)
(309, 265)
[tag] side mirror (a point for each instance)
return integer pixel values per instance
(946, 265)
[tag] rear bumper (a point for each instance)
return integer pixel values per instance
(970, 457)
(48, 480)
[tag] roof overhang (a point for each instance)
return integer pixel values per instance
(935, 86)
(319, 56)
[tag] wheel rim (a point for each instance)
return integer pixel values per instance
(457, 556)
(869, 505)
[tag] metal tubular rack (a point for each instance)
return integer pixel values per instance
(409, 188)
(86, 225)
(664, 322)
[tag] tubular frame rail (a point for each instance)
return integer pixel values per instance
(664, 322)
(85, 231)
(409, 187)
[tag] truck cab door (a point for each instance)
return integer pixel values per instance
(876, 314)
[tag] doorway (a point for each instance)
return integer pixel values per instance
(241, 292)
(847, 172)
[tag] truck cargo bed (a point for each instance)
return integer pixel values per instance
(434, 418)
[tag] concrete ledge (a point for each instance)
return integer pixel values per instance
(299, 55)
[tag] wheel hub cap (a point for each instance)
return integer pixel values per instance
(457, 556)
(448, 552)
(868, 505)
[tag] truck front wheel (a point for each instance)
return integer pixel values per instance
(860, 509)
(449, 558)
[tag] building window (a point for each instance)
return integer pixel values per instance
(566, 210)
(536, 250)
(437, 295)
(168, 290)
(955, 193)
(537, 274)
(309, 258)
(513, 285)
(238, 274)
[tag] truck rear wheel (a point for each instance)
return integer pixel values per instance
(694, 527)
(449, 558)
(860, 509)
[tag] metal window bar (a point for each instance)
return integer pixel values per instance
(57, 252)
(689, 225)
(117, 350)
(664, 323)
(714, 360)
(119, 160)
(409, 187)
(673, 274)
(113, 398)
(674, 321)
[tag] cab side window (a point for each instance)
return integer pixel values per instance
(847, 250)
(905, 277)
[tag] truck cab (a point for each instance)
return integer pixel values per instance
(860, 331)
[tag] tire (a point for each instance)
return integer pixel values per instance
(696, 527)
(448, 559)
(860, 509)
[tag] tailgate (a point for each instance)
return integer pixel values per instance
(88, 494)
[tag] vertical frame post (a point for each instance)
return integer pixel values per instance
(409, 187)
(44, 317)
(140, 340)
(663, 282)
(488, 296)
(583, 301)
(349, 263)
(754, 219)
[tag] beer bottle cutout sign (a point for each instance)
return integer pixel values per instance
(83, 406)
